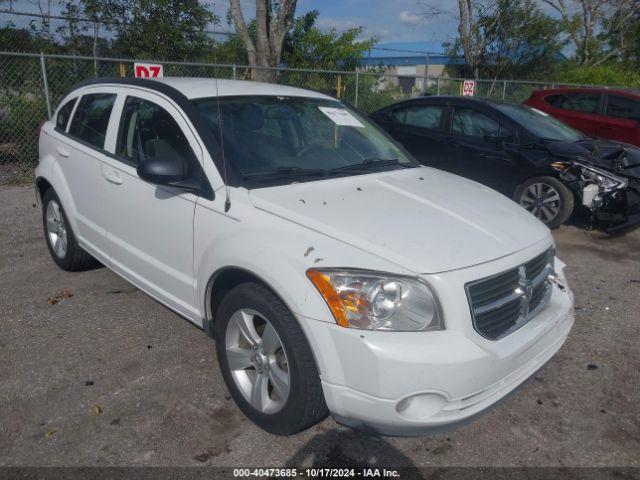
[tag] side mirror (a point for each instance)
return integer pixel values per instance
(496, 138)
(163, 170)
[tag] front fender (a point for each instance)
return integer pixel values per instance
(275, 250)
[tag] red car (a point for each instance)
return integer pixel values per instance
(598, 112)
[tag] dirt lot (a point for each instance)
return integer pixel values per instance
(108, 376)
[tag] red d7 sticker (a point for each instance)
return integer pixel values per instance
(147, 70)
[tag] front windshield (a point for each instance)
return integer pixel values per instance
(541, 124)
(274, 140)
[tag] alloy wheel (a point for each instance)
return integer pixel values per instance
(257, 361)
(542, 200)
(56, 229)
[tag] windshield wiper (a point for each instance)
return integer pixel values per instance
(368, 164)
(285, 172)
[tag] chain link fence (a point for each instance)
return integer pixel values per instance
(32, 85)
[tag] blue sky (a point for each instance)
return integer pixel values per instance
(388, 20)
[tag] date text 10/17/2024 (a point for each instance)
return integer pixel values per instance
(316, 472)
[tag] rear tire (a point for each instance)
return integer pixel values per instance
(267, 362)
(547, 198)
(61, 241)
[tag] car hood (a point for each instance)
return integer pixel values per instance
(617, 157)
(422, 219)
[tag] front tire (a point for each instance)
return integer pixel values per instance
(62, 243)
(266, 361)
(547, 198)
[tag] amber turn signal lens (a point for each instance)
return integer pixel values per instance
(560, 166)
(323, 284)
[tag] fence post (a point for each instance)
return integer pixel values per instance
(504, 89)
(438, 84)
(45, 84)
(357, 81)
(235, 74)
(424, 80)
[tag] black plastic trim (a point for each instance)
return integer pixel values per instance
(206, 136)
(187, 107)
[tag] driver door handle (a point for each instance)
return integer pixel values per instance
(113, 177)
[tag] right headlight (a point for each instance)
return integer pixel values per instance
(377, 301)
(607, 180)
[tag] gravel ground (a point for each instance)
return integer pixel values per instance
(104, 375)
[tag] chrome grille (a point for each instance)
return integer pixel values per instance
(502, 303)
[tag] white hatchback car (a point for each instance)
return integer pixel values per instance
(335, 273)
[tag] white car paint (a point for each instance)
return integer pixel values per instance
(419, 222)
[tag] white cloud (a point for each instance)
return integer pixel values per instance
(411, 18)
(326, 22)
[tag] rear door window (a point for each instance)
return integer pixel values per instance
(62, 119)
(623, 107)
(421, 116)
(91, 119)
(579, 102)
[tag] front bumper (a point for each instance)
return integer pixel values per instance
(401, 383)
(620, 209)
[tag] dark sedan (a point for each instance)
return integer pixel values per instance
(543, 164)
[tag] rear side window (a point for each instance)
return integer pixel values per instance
(91, 119)
(623, 107)
(148, 130)
(554, 100)
(579, 102)
(423, 116)
(62, 119)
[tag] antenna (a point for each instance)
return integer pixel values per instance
(227, 202)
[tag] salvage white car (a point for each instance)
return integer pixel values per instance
(336, 275)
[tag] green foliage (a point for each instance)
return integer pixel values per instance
(21, 114)
(24, 40)
(519, 40)
(623, 75)
(230, 51)
(307, 46)
(159, 29)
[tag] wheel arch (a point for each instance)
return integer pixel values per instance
(42, 185)
(222, 281)
(544, 172)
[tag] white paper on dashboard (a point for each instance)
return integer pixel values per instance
(340, 116)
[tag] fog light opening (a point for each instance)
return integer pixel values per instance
(420, 406)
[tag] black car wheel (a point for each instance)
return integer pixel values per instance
(266, 361)
(547, 198)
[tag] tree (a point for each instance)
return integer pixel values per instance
(622, 34)
(307, 46)
(504, 38)
(521, 41)
(272, 22)
(471, 41)
(470, 34)
(155, 29)
(597, 28)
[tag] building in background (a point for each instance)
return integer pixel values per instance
(409, 63)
